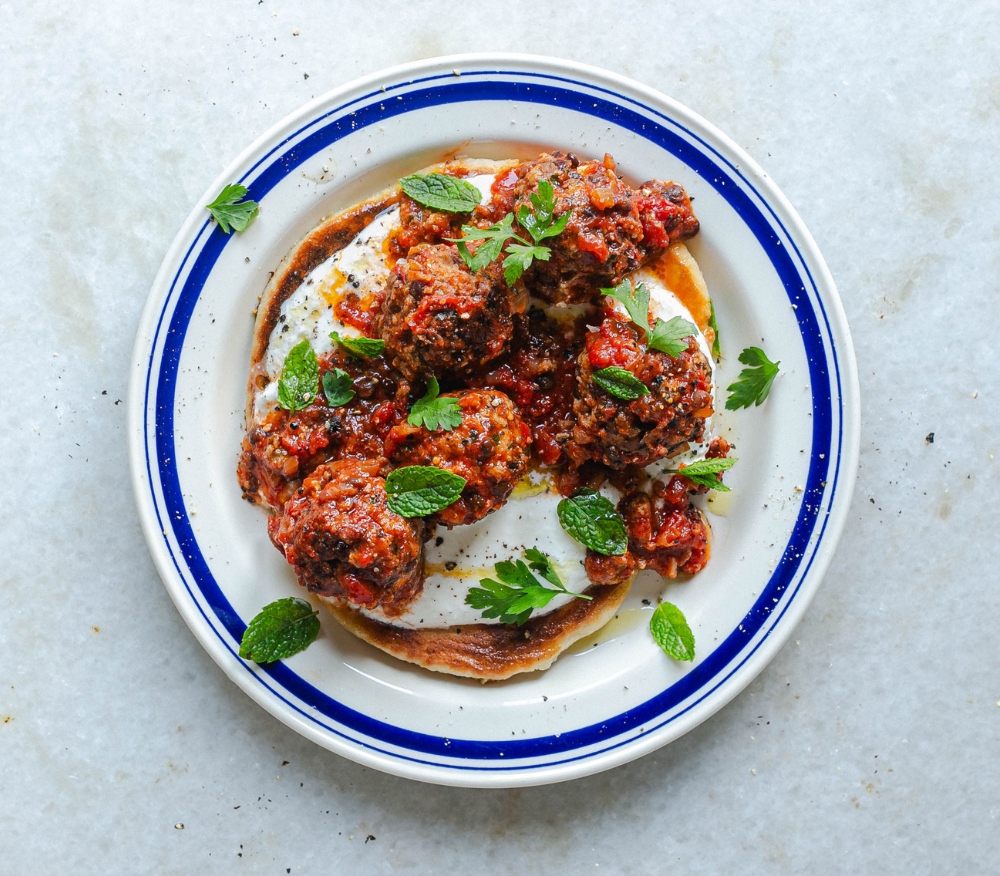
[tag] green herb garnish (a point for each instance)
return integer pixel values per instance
(434, 413)
(703, 472)
(755, 382)
(671, 632)
(442, 192)
(338, 387)
(518, 593)
(282, 629)
(419, 490)
(592, 520)
(362, 347)
(538, 222)
(299, 381)
(228, 209)
(666, 335)
(620, 382)
(716, 349)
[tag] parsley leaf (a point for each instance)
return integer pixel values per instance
(665, 336)
(518, 593)
(592, 520)
(520, 254)
(620, 382)
(433, 413)
(419, 490)
(671, 632)
(442, 192)
(338, 387)
(635, 300)
(703, 472)
(362, 347)
(670, 337)
(716, 349)
(228, 209)
(299, 381)
(495, 236)
(282, 629)
(755, 382)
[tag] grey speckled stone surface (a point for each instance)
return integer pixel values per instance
(874, 733)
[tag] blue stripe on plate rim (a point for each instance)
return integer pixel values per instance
(819, 490)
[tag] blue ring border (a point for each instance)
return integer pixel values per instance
(615, 112)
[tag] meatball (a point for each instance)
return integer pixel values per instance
(665, 212)
(419, 224)
(439, 317)
(620, 432)
(609, 570)
(489, 448)
(343, 539)
(666, 533)
(600, 244)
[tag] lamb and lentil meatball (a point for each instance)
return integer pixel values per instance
(666, 532)
(489, 448)
(600, 244)
(665, 213)
(343, 539)
(438, 317)
(620, 432)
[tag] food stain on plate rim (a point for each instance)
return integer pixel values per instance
(367, 735)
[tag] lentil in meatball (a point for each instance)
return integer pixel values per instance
(489, 448)
(343, 539)
(438, 317)
(666, 533)
(665, 212)
(620, 432)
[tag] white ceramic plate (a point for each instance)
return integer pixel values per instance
(599, 705)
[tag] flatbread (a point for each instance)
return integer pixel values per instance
(487, 652)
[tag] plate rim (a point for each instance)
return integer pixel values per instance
(724, 691)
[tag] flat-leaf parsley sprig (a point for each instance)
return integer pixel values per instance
(434, 413)
(231, 211)
(667, 336)
(538, 221)
(518, 593)
(754, 382)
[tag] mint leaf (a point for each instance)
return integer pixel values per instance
(419, 490)
(634, 300)
(363, 348)
(671, 632)
(704, 471)
(592, 520)
(671, 337)
(228, 209)
(518, 593)
(433, 413)
(755, 382)
(620, 382)
(299, 381)
(282, 629)
(442, 192)
(716, 349)
(338, 387)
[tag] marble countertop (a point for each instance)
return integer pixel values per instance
(868, 745)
